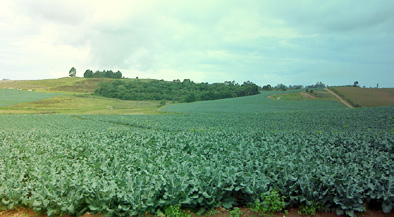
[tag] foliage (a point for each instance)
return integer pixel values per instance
(270, 202)
(185, 91)
(124, 165)
(175, 211)
(72, 72)
(236, 212)
(310, 209)
(267, 87)
(102, 74)
(317, 85)
(281, 87)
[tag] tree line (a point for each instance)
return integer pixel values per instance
(102, 74)
(292, 87)
(185, 91)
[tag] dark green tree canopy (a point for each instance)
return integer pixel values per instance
(185, 91)
(72, 72)
(102, 74)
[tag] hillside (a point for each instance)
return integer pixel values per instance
(68, 85)
(66, 96)
(366, 97)
(255, 104)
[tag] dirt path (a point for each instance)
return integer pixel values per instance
(340, 98)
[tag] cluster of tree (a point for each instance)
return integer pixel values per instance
(282, 87)
(185, 91)
(292, 87)
(102, 74)
(317, 85)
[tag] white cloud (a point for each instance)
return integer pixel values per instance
(262, 41)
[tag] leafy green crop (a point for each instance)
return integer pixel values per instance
(270, 202)
(11, 97)
(124, 165)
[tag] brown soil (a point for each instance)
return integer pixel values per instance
(219, 212)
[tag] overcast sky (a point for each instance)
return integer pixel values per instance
(265, 41)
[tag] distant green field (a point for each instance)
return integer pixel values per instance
(254, 104)
(11, 97)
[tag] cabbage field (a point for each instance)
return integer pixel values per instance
(123, 165)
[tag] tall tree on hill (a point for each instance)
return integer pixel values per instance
(72, 72)
(88, 73)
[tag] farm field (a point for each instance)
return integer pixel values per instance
(123, 165)
(256, 103)
(367, 97)
(11, 97)
(82, 153)
(83, 104)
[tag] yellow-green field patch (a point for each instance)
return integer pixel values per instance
(303, 95)
(84, 104)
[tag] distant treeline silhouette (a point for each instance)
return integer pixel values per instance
(185, 91)
(102, 74)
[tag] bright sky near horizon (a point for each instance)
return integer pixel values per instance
(267, 42)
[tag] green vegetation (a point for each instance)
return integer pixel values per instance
(10, 97)
(269, 202)
(226, 153)
(124, 165)
(366, 97)
(309, 94)
(175, 211)
(83, 104)
(254, 104)
(236, 212)
(72, 72)
(102, 74)
(68, 85)
(310, 209)
(185, 91)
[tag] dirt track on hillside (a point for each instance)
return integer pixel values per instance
(339, 98)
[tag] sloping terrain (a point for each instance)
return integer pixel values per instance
(366, 97)
(72, 85)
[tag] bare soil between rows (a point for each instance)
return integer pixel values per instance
(219, 212)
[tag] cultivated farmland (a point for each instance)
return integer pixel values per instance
(11, 97)
(366, 97)
(316, 154)
(128, 165)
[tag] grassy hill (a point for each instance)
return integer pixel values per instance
(66, 96)
(366, 97)
(69, 85)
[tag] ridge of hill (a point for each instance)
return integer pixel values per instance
(66, 84)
